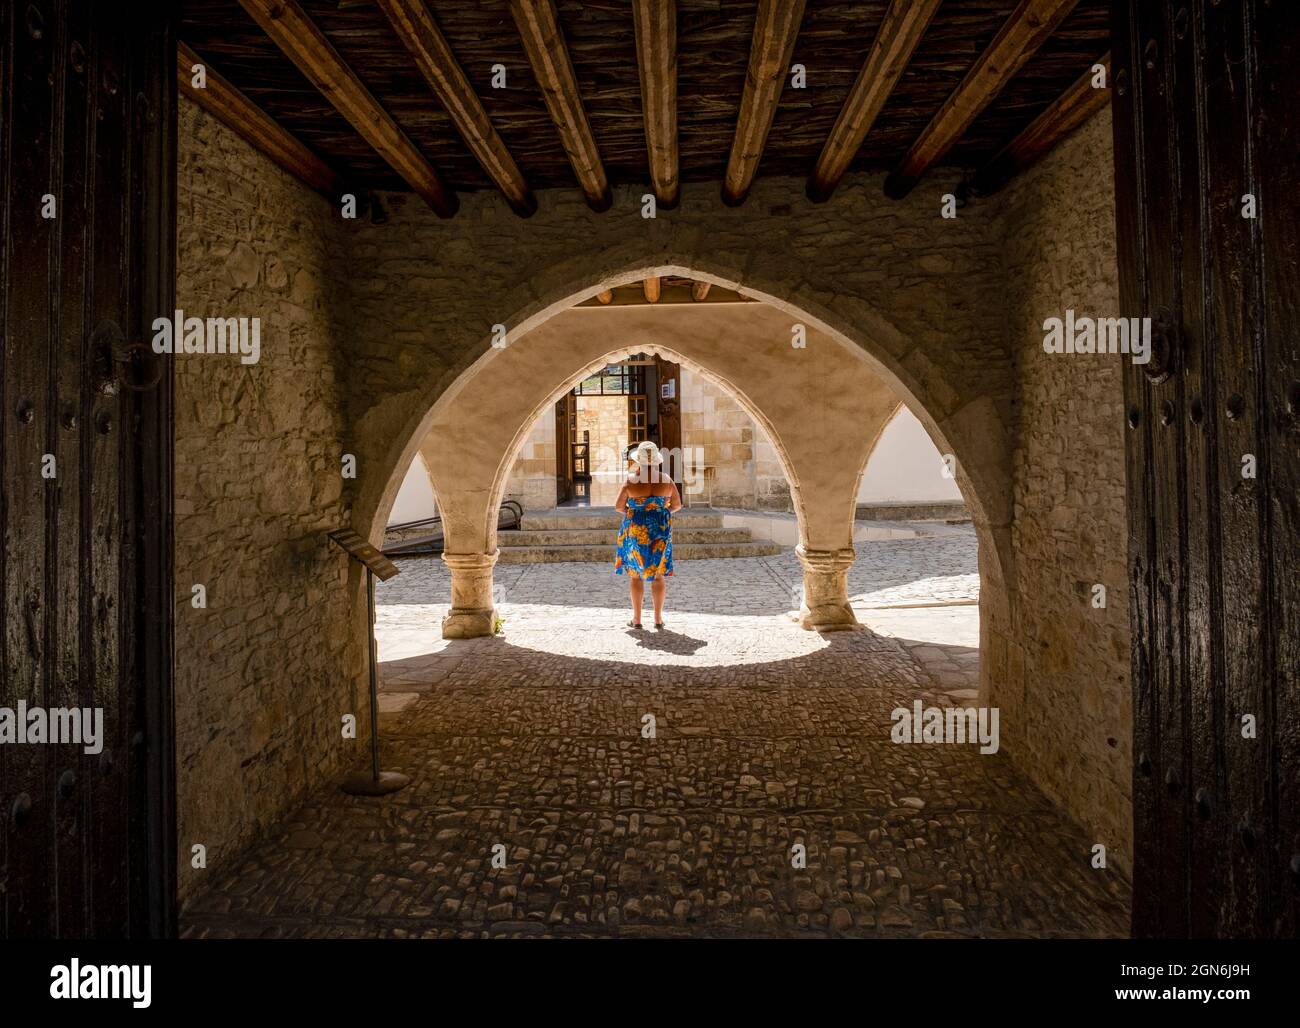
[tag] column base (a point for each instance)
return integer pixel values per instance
(468, 624)
(825, 606)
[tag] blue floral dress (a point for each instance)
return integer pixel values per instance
(645, 540)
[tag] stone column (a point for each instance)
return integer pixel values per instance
(472, 613)
(825, 605)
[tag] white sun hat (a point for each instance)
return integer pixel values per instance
(647, 454)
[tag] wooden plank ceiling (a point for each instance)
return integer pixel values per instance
(981, 87)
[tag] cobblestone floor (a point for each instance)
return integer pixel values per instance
(766, 737)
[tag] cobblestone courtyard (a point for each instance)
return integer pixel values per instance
(766, 736)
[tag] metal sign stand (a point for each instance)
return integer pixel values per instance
(375, 782)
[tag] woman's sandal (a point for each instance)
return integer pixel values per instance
(634, 624)
(659, 624)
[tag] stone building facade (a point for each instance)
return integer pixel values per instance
(376, 335)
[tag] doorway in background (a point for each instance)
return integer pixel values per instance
(595, 425)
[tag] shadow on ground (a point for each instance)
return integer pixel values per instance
(559, 795)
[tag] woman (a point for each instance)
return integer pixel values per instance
(647, 501)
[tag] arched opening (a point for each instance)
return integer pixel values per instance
(906, 469)
(973, 432)
(693, 467)
(914, 577)
(496, 380)
(917, 581)
(415, 500)
(567, 560)
(558, 600)
(570, 582)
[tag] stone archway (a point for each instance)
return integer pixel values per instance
(822, 409)
(962, 416)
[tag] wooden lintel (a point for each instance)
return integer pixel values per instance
(304, 44)
(1020, 36)
(652, 288)
(252, 124)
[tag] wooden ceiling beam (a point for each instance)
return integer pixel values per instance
(699, 290)
(652, 287)
(1020, 36)
(252, 124)
(539, 30)
(901, 30)
(655, 24)
(433, 55)
(605, 295)
(304, 44)
(776, 27)
(1065, 114)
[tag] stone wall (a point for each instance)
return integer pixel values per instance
(265, 671)
(1062, 674)
(532, 478)
(716, 427)
(604, 420)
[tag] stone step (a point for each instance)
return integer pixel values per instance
(609, 536)
(952, 511)
(605, 554)
(604, 518)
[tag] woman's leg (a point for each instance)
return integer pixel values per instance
(658, 589)
(637, 588)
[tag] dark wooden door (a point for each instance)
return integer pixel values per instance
(1207, 159)
(566, 420)
(87, 124)
(668, 375)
